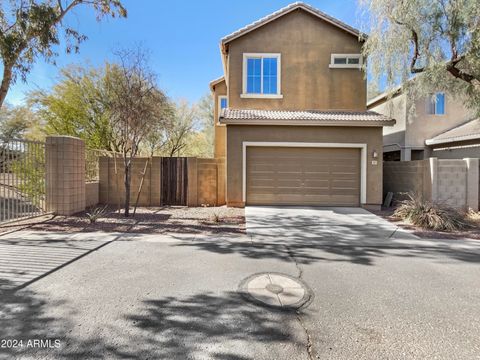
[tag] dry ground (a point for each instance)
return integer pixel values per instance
(471, 233)
(161, 220)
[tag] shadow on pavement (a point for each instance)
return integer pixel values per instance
(26, 257)
(348, 235)
(206, 325)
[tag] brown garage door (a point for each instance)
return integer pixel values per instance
(303, 176)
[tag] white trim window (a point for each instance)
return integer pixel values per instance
(435, 104)
(346, 61)
(222, 104)
(261, 76)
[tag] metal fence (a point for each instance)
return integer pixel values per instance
(22, 179)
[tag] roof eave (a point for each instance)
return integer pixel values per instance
(385, 96)
(269, 18)
(434, 141)
(215, 82)
(355, 123)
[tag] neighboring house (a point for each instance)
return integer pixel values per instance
(441, 127)
(293, 126)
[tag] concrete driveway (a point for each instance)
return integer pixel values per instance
(378, 292)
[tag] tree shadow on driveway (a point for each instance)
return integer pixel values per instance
(204, 325)
(309, 241)
(213, 326)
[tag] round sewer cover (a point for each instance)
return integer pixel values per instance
(276, 290)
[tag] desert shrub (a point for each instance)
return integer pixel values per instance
(96, 213)
(216, 217)
(473, 216)
(430, 215)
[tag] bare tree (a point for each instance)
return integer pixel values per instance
(29, 29)
(137, 106)
(178, 131)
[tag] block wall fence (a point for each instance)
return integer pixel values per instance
(68, 192)
(452, 182)
(206, 181)
(65, 175)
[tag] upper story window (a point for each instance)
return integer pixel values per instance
(222, 104)
(436, 104)
(346, 61)
(261, 76)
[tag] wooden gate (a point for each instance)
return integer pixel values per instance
(174, 181)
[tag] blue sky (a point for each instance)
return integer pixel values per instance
(182, 37)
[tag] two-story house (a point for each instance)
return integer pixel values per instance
(441, 126)
(292, 120)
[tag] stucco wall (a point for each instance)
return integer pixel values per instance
(236, 135)
(424, 126)
(305, 44)
(411, 130)
(220, 130)
(396, 108)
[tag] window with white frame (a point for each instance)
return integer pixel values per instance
(261, 75)
(436, 104)
(222, 104)
(346, 61)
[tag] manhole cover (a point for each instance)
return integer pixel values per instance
(276, 290)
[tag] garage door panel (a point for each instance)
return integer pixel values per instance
(313, 183)
(296, 176)
(342, 184)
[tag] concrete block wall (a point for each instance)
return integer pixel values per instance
(206, 181)
(455, 183)
(452, 183)
(405, 176)
(221, 181)
(112, 183)
(91, 194)
(65, 175)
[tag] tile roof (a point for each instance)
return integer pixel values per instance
(286, 10)
(467, 131)
(307, 117)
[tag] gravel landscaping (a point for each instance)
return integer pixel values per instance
(152, 220)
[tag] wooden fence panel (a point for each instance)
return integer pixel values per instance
(174, 181)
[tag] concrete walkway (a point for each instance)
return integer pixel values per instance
(377, 292)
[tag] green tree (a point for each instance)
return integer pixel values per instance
(179, 129)
(31, 28)
(19, 122)
(79, 105)
(435, 41)
(189, 131)
(206, 136)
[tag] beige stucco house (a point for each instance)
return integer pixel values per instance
(441, 126)
(292, 124)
